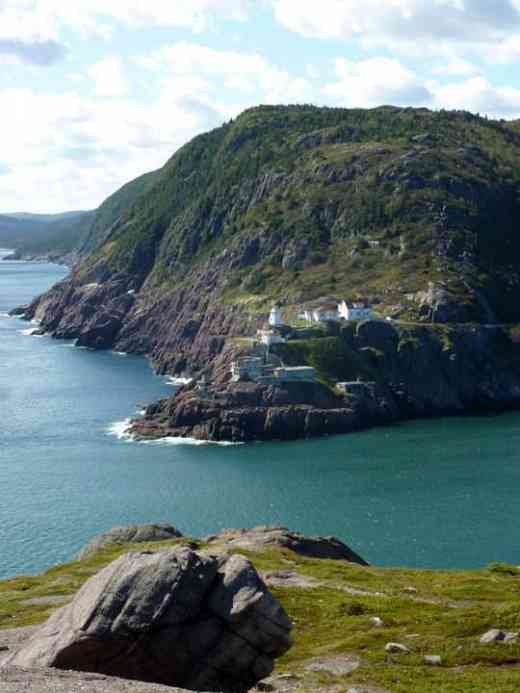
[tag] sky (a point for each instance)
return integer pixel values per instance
(95, 92)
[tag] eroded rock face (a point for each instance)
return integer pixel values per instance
(260, 538)
(132, 534)
(175, 617)
(243, 412)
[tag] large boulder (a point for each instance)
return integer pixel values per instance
(175, 617)
(260, 538)
(132, 534)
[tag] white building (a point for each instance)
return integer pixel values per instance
(275, 317)
(355, 311)
(269, 337)
(247, 368)
(296, 373)
(322, 313)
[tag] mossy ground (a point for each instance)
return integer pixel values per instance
(431, 612)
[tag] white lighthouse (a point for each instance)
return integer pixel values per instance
(275, 319)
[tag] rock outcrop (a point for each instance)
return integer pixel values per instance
(15, 680)
(244, 412)
(260, 538)
(131, 534)
(174, 617)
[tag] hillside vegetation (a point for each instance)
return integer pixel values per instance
(309, 201)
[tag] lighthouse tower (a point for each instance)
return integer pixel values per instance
(275, 319)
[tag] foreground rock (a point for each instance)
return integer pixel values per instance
(260, 538)
(132, 534)
(14, 680)
(174, 617)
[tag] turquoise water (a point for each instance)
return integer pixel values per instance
(438, 493)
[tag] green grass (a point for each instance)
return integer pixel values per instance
(444, 614)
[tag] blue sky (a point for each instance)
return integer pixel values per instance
(96, 92)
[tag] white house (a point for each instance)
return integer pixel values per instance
(355, 311)
(269, 337)
(246, 368)
(275, 317)
(327, 311)
(295, 374)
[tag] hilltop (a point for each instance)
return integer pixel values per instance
(412, 210)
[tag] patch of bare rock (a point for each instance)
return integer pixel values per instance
(131, 534)
(264, 537)
(339, 666)
(175, 617)
(14, 680)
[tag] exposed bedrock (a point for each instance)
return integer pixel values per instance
(243, 412)
(131, 534)
(175, 617)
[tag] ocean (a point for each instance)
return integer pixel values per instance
(437, 493)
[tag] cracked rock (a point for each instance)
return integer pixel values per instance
(176, 617)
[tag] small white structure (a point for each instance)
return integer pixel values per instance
(295, 374)
(355, 311)
(322, 313)
(247, 368)
(275, 317)
(270, 337)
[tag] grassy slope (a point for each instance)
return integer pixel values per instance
(445, 616)
(199, 204)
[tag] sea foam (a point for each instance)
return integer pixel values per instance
(120, 429)
(177, 382)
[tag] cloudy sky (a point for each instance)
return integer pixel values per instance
(95, 92)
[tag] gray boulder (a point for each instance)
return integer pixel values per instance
(133, 534)
(260, 538)
(174, 617)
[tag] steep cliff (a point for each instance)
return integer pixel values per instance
(414, 210)
(390, 373)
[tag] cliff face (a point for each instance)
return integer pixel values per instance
(415, 211)
(395, 373)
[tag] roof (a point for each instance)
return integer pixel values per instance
(327, 306)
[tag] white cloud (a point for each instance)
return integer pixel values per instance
(66, 151)
(478, 95)
(42, 20)
(228, 80)
(456, 67)
(374, 82)
(109, 77)
(413, 27)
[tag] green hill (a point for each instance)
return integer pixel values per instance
(313, 200)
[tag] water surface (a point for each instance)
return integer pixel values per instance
(440, 493)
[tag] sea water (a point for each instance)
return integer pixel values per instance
(439, 493)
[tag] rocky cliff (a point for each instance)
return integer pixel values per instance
(392, 373)
(415, 211)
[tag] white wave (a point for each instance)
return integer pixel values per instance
(69, 345)
(120, 429)
(29, 332)
(34, 321)
(171, 440)
(5, 316)
(177, 382)
(120, 353)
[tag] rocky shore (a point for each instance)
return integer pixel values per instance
(247, 412)
(409, 372)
